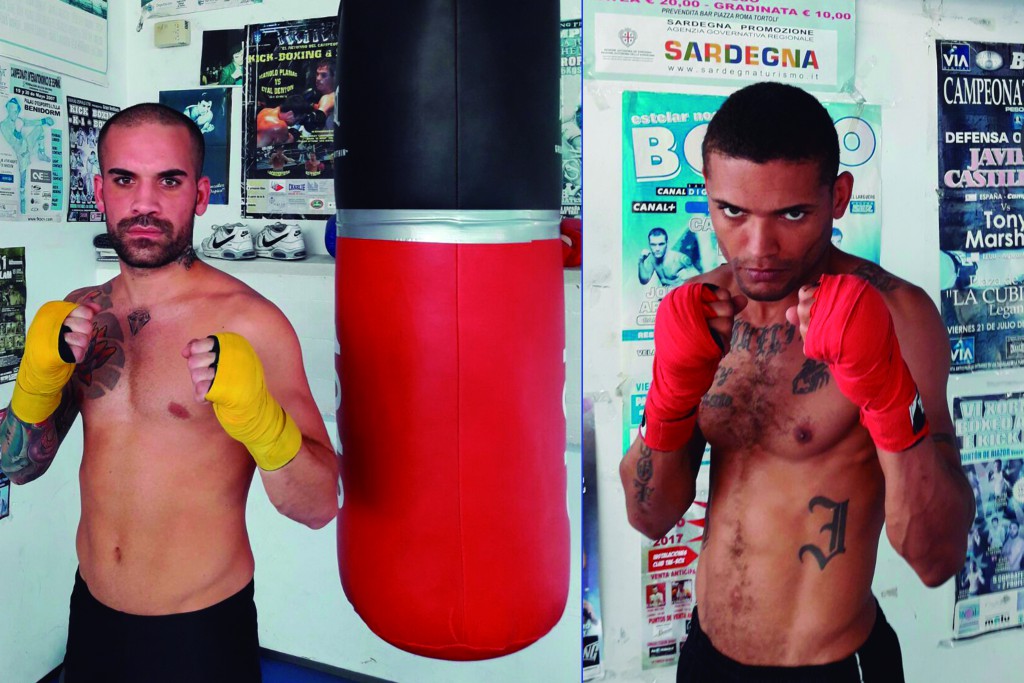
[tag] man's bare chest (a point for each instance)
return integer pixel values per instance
(134, 366)
(769, 396)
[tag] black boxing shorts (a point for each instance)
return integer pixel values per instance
(878, 660)
(212, 645)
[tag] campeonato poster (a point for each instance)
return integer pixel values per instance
(981, 202)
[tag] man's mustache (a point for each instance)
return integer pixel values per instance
(144, 222)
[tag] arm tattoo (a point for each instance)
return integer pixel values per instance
(644, 474)
(836, 530)
(876, 277)
(812, 376)
(27, 450)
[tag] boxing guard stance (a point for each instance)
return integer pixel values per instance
(187, 381)
(819, 381)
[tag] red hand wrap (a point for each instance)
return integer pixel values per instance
(685, 361)
(851, 331)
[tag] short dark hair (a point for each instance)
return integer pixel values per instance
(657, 231)
(151, 112)
(770, 122)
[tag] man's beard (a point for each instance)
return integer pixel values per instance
(154, 255)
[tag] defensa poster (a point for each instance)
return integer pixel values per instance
(290, 87)
(210, 110)
(990, 587)
(809, 43)
(981, 202)
(666, 227)
(31, 144)
(12, 311)
(85, 119)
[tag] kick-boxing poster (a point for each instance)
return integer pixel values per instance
(85, 119)
(210, 110)
(981, 202)
(572, 119)
(12, 311)
(667, 235)
(990, 433)
(31, 144)
(288, 119)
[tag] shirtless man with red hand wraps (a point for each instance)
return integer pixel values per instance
(825, 408)
(175, 423)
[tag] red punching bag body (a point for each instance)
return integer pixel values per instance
(453, 534)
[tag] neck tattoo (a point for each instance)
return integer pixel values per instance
(137, 319)
(187, 258)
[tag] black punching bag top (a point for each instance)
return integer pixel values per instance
(448, 104)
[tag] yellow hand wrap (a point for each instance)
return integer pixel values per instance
(246, 410)
(43, 373)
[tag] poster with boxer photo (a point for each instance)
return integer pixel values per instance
(31, 144)
(981, 202)
(223, 60)
(12, 311)
(85, 119)
(667, 235)
(572, 119)
(288, 119)
(5, 496)
(210, 109)
(668, 580)
(990, 433)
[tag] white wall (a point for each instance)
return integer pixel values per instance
(895, 69)
(37, 541)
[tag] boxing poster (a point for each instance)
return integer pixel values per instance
(593, 640)
(223, 59)
(65, 36)
(572, 119)
(290, 88)
(981, 202)
(808, 43)
(12, 311)
(85, 119)
(667, 235)
(166, 8)
(668, 582)
(31, 144)
(990, 587)
(210, 109)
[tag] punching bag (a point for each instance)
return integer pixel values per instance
(453, 532)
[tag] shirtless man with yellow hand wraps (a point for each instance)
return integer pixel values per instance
(182, 375)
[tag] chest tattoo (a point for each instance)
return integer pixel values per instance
(722, 375)
(836, 531)
(812, 376)
(762, 342)
(104, 361)
(137, 319)
(876, 277)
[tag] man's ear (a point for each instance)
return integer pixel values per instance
(842, 191)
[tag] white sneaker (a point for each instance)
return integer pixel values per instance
(280, 241)
(232, 242)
